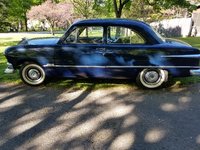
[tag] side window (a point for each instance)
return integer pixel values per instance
(86, 35)
(71, 38)
(117, 35)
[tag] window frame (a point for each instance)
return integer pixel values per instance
(132, 29)
(76, 37)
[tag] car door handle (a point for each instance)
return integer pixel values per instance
(100, 49)
(108, 52)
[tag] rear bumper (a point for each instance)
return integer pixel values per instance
(195, 72)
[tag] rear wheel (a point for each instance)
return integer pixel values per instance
(152, 78)
(32, 74)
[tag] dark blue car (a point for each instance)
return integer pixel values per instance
(105, 48)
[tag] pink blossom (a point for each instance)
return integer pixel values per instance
(57, 15)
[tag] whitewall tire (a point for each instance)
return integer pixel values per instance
(32, 74)
(152, 78)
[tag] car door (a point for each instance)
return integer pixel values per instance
(126, 50)
(81, 53)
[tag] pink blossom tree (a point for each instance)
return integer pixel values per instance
(56, 14)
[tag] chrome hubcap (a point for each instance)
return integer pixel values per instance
(34, 74)
(151, 76)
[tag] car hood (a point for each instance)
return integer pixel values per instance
(177, 42)
(39, 41)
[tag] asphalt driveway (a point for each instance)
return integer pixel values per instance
(114, 118)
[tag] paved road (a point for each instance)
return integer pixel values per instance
(115, 118)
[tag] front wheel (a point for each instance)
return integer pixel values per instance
(152, 78)
(32, 74)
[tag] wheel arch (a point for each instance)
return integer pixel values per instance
(21, 62)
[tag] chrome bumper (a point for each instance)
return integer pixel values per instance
(9, 69)
(195, 72)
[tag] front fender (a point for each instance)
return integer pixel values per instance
(18, 55)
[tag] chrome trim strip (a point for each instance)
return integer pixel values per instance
(195, 72)
(182, 56)
(75, 66)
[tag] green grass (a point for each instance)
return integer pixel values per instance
(194, 41)
(9, 40)
(6, 77)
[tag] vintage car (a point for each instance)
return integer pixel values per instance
(105, 48)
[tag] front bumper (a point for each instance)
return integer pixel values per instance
(195, 72)
(9, 69)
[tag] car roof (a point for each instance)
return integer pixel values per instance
(142, 27)
(106, 22)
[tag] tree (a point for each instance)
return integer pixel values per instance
(167, 4)
(139, 10)
(151, 10)
(17, 12)
(108, 7)
(3, 14)
(18, 9)
(83, 8)
(119, 6)
(104, 8)
(57, 15)
(100, 8)
(3, 6)
(38, 2)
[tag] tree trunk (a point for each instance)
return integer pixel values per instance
(26, 23)
(52, 30)
(20, 26)
(51, 23)
(118, 9)
(119, 13)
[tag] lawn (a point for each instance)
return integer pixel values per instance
(12, 39)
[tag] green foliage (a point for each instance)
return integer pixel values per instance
(119, 6)
(3, 7)
(151, 10)
(109, 8)
(104, 8)
(17, 10)
(83, 8)
(140, 10)
(146, 10)
(3, 15)
(167, 4)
